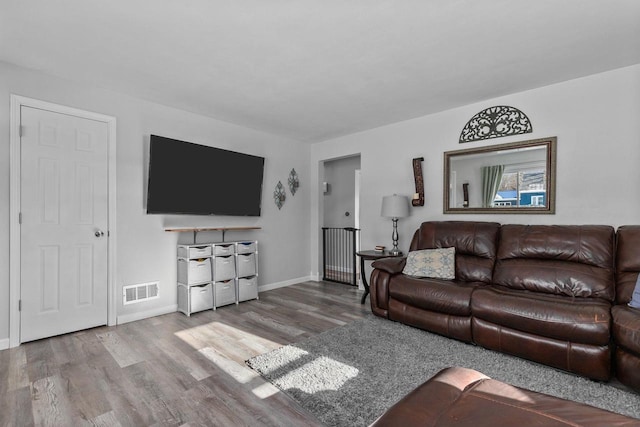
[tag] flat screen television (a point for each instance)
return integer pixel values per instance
(187, 178)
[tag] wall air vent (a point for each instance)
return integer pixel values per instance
(141, 292)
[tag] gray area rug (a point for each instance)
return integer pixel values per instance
(350, 375)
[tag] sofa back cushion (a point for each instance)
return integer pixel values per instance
(475, 243)
(571, 260)
(627, 262)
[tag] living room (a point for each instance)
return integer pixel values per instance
(592, 109)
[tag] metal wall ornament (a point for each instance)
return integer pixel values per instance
(495, 122)
(294, 182)
(279, 195)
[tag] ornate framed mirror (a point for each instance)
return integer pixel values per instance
(517, 177)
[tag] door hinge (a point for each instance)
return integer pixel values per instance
(19, 305)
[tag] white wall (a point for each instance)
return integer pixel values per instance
(145, 252)
(596, 120)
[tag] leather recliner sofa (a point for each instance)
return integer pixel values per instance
(626, 320)
(540, 292)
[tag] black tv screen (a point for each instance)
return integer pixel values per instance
(187, 178)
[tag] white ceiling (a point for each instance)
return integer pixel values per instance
(317, 69)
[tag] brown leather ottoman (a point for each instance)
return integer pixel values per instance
(464, 397)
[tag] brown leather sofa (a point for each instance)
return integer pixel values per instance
(464, 397)
(626, 320)
(539, 292)
(440, 306)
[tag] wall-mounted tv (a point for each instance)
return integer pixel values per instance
(187, 178)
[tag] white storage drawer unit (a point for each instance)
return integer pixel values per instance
(246, 264)
(247, 288)
(225, 293)
(192, 271)
(191, 251)
(212, 275)
(224, 268)
(192, 299)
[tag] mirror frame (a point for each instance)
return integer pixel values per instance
(550, 208)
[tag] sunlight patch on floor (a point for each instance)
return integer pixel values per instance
(320, 374)
(292, 368)
(202, 336)
(265, 390)
(286, 356)
(240, 373)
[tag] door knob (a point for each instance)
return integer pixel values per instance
(99, 233)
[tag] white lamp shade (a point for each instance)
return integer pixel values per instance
(395, 206)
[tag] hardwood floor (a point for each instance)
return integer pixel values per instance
(172, 370)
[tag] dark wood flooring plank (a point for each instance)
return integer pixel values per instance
(17, 374)
(16, 409)
(41, 362)
(84, 390)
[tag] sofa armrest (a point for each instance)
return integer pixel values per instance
(383, 270)
(390, 265)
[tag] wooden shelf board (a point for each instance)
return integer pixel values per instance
(199, 229)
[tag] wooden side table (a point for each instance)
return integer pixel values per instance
(371, 256)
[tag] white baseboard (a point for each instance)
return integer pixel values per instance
(173, 308)
(283, 284)
(4, 344)
(146, 314)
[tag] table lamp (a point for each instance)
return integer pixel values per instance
(395, 207)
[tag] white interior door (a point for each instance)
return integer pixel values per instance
(64, 219)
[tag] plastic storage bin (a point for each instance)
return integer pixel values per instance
(223, 249)
(194, 271)
(201, 298)
(246, 264)
(247, 288)
(225, 293)
(224, 268)
(190, 251)
(246, 247)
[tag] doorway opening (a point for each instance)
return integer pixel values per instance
(341, 220)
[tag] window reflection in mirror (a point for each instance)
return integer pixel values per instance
(517, 177)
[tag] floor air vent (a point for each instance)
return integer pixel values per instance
(141, 292)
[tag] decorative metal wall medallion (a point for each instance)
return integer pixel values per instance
(294, 183)
(495, 122)
(279, 196)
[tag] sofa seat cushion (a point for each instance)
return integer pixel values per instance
(464, 397)
(570, 260)
(579, 320)
(438, 295)
(626, 327)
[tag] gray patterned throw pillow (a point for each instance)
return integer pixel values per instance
(433, 263)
